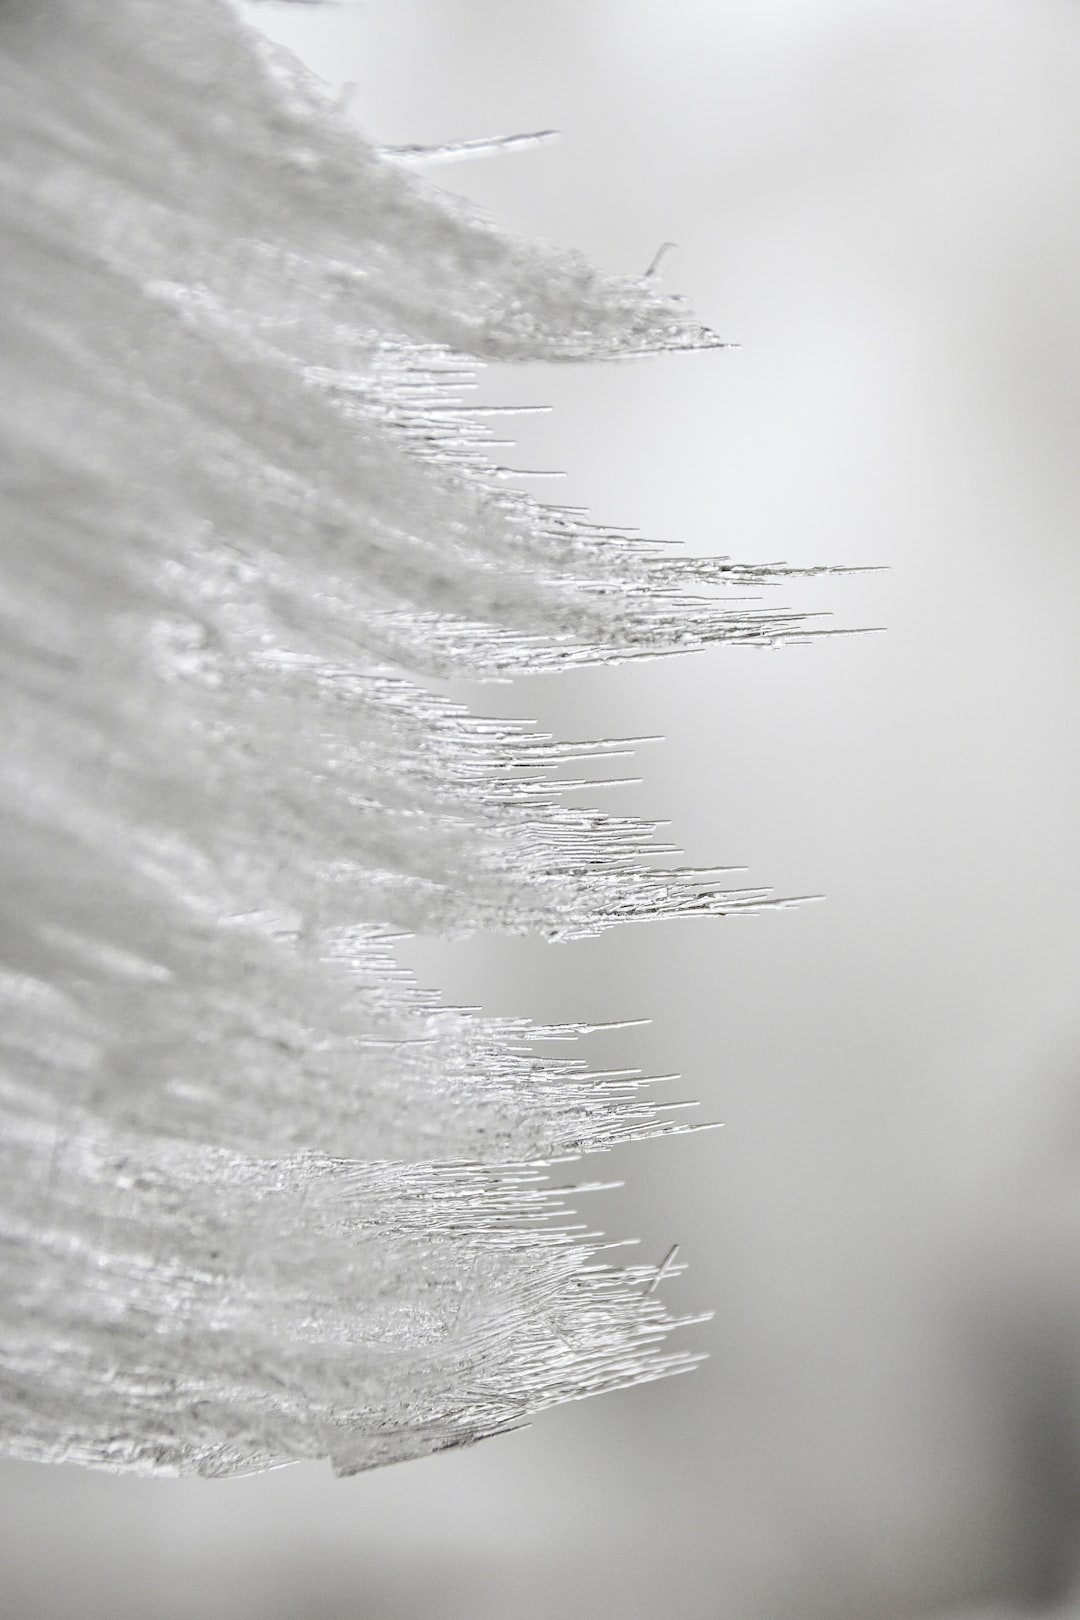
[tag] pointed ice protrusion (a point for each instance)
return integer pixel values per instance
(485, 146)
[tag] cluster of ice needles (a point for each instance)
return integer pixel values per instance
(262, 1197)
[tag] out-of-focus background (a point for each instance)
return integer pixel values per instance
(880, 201)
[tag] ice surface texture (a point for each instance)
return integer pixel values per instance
(261, 1197)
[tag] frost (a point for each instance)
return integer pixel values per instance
(262, 1197)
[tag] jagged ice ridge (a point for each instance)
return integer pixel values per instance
(262, 1197)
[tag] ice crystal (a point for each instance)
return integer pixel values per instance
(261, 1197)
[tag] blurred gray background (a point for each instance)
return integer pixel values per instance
(878, 200)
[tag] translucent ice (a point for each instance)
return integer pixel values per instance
(260, 1197)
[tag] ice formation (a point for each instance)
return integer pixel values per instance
(261, 1197)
